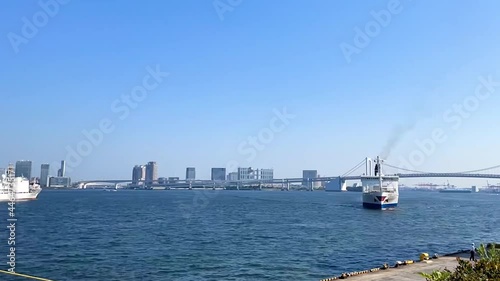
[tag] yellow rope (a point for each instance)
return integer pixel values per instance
(24, 275)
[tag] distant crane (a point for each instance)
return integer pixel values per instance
(448, 185)
(488, 185)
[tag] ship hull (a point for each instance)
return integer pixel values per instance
(4, 197)
(380, 200)
(374, 206)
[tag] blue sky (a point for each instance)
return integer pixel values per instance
(227, 75)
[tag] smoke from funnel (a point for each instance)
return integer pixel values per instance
(397, 134)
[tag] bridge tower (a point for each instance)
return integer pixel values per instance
(369, 166)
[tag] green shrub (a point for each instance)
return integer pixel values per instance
(486, 269)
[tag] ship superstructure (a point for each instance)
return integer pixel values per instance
(17, 188)
(379, 191)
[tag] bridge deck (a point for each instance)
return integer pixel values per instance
(296, 180)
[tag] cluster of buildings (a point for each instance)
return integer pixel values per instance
(23, 168)
(148, 174)
(145, 173)
(250, 174)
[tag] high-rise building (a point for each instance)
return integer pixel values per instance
(218, 174)
(44, 175)
(257, 174)
(245, 173)
(266, 174)
(190, 173)
(62, 171)
(138, 174)
(233, 176)
(23, 169)
(308, 174)
(151, 172)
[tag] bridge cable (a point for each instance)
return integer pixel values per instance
(465, 172)
(407, 170)
(480, 170)
(355, 167)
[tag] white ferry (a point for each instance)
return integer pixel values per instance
(17, 188)
(379, 191)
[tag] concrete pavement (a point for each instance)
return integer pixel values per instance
(410, 272)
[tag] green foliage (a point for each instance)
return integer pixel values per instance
(486, 269)
(437, 275)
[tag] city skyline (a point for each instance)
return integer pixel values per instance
(152, 174)
(231, 91)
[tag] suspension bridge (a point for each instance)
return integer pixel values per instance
(337, 182)
(492, 172)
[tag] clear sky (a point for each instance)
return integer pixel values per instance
(351, 85)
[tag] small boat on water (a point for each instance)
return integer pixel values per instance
(379, 191)
(455, 190)
(355, 188)
(17, 188)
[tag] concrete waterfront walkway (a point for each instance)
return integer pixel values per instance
(411, 272)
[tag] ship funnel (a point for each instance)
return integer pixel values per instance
(378, 167)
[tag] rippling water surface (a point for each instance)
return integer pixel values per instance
(235, 235)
